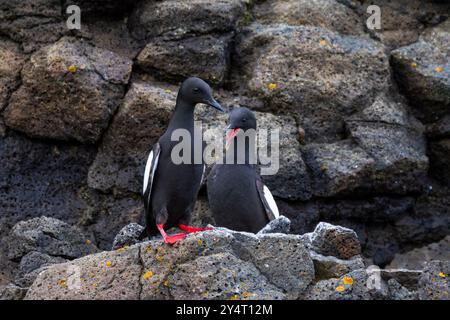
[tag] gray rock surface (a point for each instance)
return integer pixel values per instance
(127, 236)
(327, 14)
(218, 264)
(54, 102)
(422, 71)
(434, 284)
(48, 236)
(177, 19)
(139, 122)
(419, 257)
(12, 292)
(206, 57)
(278, 225)
(331, 240)
(338, 75)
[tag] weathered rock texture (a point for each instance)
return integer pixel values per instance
(56, 101)
(218, 264)
(363, 119)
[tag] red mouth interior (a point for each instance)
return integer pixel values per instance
(231, 134)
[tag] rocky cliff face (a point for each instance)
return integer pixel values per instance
(365, 117)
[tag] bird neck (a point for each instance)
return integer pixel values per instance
(242, 151)
(183, 116)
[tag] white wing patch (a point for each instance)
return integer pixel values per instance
(203, 173)
(271, 202)
(147, 173)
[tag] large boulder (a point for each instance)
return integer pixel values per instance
(402, 21)
(11, 61)
(328, 14)
(217, 264)
(48, 236)
(318, 75)
(69, 91)
(32, 264)
(422, 71)
(32, 23)
(338, 168)
(206, 57)
(394, 140)
(386, 151)
(176, 18)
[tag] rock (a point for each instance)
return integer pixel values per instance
(338, 74)
(32, 23)
(217, 264)
(127, 236)
(91, 278)
(422, 72)
(429, 221)
(289, 178)
(382, 243)
(404, 277)
(327, 14)
(402, 21)
(11, 61)
(278, 225)
(217, 271)
(440, 160)
(139, 123)
(56, 103)
(336, 289)
(31, 265)
(398, 292)
(303, 216)
(12, 292)
(103, 7)
(434, 282)
(419, 257)
(112, 35)
(337, 241)
(338, 168)
(369, 209)
(326, 267)
(394, 139)
(187, 17)
(206, 57)
(48, 236)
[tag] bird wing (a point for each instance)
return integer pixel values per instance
(149, 173)
(267, 199)
(203, 179)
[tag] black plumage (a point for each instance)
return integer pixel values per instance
(237, 197)
(170, 190)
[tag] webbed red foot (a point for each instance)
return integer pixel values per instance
(189, 229)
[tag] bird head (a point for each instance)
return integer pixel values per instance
(195, 90)
(239, 119)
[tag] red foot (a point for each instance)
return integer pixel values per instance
(191, 229)
(174, 238)
(169, 239)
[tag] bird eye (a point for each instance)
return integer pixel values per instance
(196, 90)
